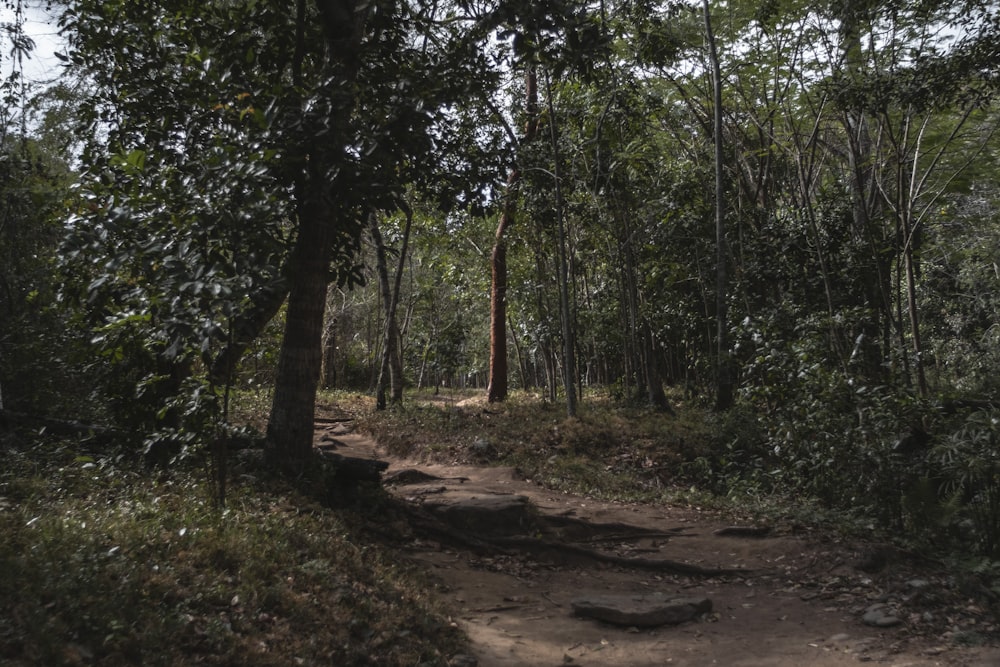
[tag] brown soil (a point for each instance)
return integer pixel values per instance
(800, 601)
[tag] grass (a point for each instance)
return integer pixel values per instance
(609, 451)
(107, 563)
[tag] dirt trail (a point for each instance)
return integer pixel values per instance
(800, 603)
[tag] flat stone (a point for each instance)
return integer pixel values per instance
(640, 610)
(888, 621)
(877, 617)
(488, 514)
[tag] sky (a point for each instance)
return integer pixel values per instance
(42, 26)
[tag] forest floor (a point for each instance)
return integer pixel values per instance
(795, 596)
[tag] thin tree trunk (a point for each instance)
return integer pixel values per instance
(388, 329)
(397, 359)
(569, 341)
(627, 318)
(519, 353)
(655, 395)
(873, 341)
(497, 388)
(328, 372)
(911, 302)
(391, 366)
(724, 380)
(247, 327)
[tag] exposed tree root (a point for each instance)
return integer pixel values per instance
(541, 547)
(426, 523)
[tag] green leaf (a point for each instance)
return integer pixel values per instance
(136, 159)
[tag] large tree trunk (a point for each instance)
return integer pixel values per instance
(290, 428)
(497, 388)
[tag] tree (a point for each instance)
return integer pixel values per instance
(288, 134)
(497, 389)
(724, 390)
(392, 354)
(41, 373)
(562, 271)
(321, 214)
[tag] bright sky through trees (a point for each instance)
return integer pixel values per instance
(41, 25)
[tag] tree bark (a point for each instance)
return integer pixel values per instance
(396, 368)
(290, 428)
(392, 363)
(497, 389)
(876, 278)
(328, 372)
(569, 340)
(724, 378)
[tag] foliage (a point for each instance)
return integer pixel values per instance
(855, 456)
(44, 365)
(964, 466)
(104, 563)
(608, 451)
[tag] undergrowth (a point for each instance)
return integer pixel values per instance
(610, 451)
(104, 562)
(845, 475)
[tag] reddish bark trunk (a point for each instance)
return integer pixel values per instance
(497, 388)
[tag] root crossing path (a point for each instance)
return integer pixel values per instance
(537, 577)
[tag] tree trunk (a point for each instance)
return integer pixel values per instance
(497, 388)
(655, 395)
(392, 363)
(566, 315)
(246, 328)
(872, 341)
(519, 353)
(724, 379)
(396, 367)
(290, 429)
(328, 372)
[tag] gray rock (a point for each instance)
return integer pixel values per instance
(462, 660)
(482, 447)
(878, 616)
(640, 610)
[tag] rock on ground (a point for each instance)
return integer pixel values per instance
(640, 610)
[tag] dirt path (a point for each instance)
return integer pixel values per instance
(800, 603)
